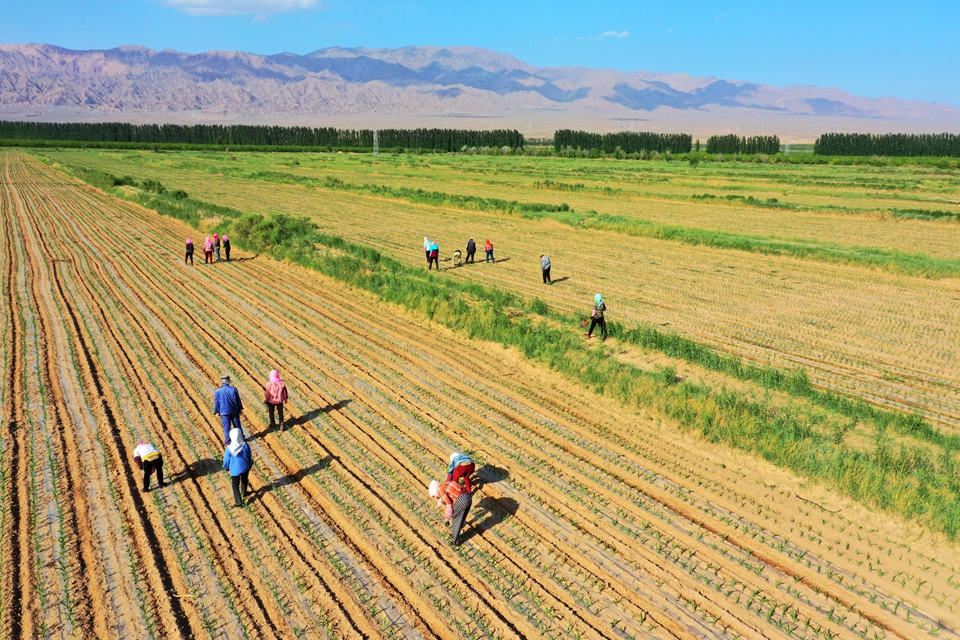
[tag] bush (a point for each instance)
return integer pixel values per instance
(153, 186)
(277, 230)
(180, 194)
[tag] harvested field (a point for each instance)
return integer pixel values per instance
(592, 520)
(881, 336)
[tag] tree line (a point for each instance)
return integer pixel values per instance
(733, 144)
(260, 135)
(888, 144)
(626, 141)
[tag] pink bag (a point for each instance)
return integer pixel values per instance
(449, 512)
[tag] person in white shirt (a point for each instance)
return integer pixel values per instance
(148, 459)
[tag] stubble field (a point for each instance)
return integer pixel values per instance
(593, 519)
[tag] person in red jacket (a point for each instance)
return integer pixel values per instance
(148, 460)
(274, 397)
(456, 501)
(461, 466)
(488, 249)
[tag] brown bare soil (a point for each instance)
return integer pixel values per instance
(591, 521)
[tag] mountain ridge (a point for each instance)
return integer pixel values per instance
(131, 80)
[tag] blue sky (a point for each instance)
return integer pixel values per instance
(903, 49)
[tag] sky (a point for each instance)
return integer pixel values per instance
(875, 49)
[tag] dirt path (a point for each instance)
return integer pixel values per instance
(591, 521)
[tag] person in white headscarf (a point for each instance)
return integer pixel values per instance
(237, 459)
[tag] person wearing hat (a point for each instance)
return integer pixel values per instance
(227, 405)
(148, 460)
(545, 268)
(456, 501)
(461, 466)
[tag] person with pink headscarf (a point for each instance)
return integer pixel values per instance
(189, 254)
(208, 251)
(274, 397)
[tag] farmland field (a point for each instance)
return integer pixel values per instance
(594, 519)
(876, 333)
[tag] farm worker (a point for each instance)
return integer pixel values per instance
(275, 396)
(148, 460)
(426, 249)
(471, 250)
(207, 250)
(226, 246)
(216, 245)
(227, 405)
(189, 254)
(461, 466)
(237, 459)
(545, 268)
(433, 258)
(488, 248)
(596, 317)
(456, 502)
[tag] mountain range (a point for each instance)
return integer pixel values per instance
(40, 81)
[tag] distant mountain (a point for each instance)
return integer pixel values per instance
(130, 81)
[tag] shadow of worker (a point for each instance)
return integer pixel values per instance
(198, 469)
(295, 478)
(488, 474)
(489, 513)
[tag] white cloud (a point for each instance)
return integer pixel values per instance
(261, 8)
(614, 34)
(668, 32)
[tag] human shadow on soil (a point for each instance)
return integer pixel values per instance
(311, 415)
(490, 513)
(296, 477)
(259, 493)
(242, 259)
(489, 474)
(337, 406)
(563, 279)
(197, 469)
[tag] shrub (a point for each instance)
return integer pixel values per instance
(277, 230)
(153, 186)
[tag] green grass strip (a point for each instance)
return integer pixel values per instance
(914, 264)
(914, 482)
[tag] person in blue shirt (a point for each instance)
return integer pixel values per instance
(227, 405)
(237, 459)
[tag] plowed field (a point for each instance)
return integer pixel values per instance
(885, 337)
(591, 521)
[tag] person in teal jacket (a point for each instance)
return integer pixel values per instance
(237, 459)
